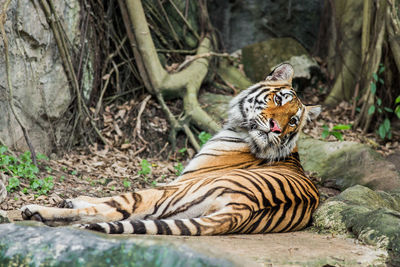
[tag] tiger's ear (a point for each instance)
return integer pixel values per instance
(283, 72)
(313, 112)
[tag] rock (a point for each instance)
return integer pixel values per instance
(344, 164)
(245, 22)
(40, 86)
(3, 217)
(216, 105)
(372, 216)
(259, 59)
(232, 75)
(34, 245)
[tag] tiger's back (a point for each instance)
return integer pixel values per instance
(246, 179)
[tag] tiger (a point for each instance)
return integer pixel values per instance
(247, 179)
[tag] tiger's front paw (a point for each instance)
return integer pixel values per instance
(66, 204)
(31, 212)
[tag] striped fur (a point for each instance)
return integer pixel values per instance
(246, 179)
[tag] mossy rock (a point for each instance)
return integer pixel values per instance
(33, 245)
(372, 216)
(259, 58)
(344, 164)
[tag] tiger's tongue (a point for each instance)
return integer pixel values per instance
(275, 128)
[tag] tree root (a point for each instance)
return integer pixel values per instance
(185, 83)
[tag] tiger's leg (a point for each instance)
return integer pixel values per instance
(134, 205)
(82, 202)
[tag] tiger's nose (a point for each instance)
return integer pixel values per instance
(274, 127)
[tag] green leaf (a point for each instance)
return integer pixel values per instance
(204, 137)
(127, 184)
(379, 101)
(3, 149)
(397, 111)
(375, 76)
(388, 109)
(341, 127)
(381, 81)
(182, 150)
(325, 134)
(397, 101)
(338, 135)
(381, 69)
(379, 110)
(382, 131)
(146, 167)
(371, 110)
(386, 124)
(373, 88)
(179, 169)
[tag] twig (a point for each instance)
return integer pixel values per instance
(3, 17)
(185, 20)
(137, 129)
(190, 59)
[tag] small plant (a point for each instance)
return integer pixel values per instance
(384, 129)
(22, 167)
(127, 184)
(145, 168)
(335, 131)
(182, 150)
(204, 137)
(178, 168)
(397, 106)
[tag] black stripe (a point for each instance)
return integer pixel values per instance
(286, 206)
(95, 227)
(197, 225)
(297, 202)
(118, 208)
(120, 228)
(272, 212)
(138, 227)
(271, 189)
(113, 230)
(162, 227)
(182, 227)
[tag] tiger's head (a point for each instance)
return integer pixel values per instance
(271, 114)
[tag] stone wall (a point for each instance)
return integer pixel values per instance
(243, 22)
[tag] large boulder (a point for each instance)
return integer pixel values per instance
(372, 216)
(40, 86)
(259, 59)
(33, 245)
(344, 164)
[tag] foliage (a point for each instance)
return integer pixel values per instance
(384, 129)
(22, 167)
(179, 168)
(127, 184)
(204, 137)
(335, 131)
(145, 168)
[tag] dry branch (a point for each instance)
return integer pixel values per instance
(184, 84)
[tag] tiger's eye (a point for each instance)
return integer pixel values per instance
(293, 122)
